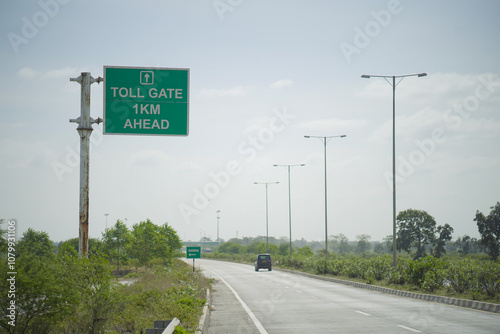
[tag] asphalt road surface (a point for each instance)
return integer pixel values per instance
(245, 301)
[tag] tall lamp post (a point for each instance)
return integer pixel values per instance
(289, 200)
(267, 214)
(394, 84)
(325, 140)
(106, 214)
(218, 216)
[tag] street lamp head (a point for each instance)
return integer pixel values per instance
(275, 165)
(307, 136)
(302, 165)
(364, 76)
(422, 75)
(343, 136)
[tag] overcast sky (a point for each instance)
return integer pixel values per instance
(262, 75)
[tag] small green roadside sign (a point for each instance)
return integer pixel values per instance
(146, 101)
(193, 252)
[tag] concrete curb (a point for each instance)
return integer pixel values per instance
(465, 303)
(203, 324)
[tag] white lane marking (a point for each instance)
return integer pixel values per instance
(410, 329)
(298, 291)
(314, 297)
(256, 321)
(363, 313)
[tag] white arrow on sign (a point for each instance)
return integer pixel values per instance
(147, 78)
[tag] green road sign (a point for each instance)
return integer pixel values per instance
(193, 252)
(146, 101)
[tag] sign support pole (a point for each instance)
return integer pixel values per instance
(193, 253)
(84, 130)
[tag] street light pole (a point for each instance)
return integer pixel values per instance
(289, 200)
(267, 214)
(106, 214)
(394, 84)
(218, 212)
(325, 140)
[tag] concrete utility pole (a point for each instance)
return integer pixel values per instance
(84, 130)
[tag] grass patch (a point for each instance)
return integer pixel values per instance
(159, 293)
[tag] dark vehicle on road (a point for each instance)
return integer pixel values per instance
(263, 261)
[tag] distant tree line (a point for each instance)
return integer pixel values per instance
(417, 234)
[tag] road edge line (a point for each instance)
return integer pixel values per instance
(252, 316)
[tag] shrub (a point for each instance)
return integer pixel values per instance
(461, 277)
(355, 267)
(321, 266)
(379, 267)
(433, 280)
(417, 270)
(488, 279)
(335, 266)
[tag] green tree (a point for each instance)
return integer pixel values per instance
(444, 235)
(467, 245)
(284, 249)
(489, 229)
(463, 244)
(91, 280)
(66, 249)
(363, 244)
(169, 242)
(115, 241)
(60, 293)
(416, 229)
(256, 247)
(3, 238)
(231, 247)
(340, 243)
(95, 245)
(36, 243)
(305, 251)
(379, 248)
(144, 242)
(273, 249)
(43, 292)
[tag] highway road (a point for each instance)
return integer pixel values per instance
(245, 301)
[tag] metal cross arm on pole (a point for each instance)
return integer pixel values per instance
(393, 84)
(325, 140)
